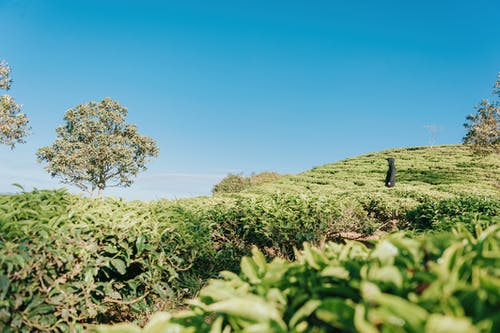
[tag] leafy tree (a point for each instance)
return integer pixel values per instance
(231, 184)
(483, 127)
(13, 123)
(236, 183)
(96, 149)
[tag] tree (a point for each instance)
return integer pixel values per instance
(483, 127)
(13, 123)
(236, 183)
(96, 149)
(231, 184)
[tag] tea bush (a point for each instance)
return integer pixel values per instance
(67, 260)
(444, 282)
(435, 214)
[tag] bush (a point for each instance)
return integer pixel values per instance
(444, 282)
(432, 214)
(231, 184)
(264, 177)
(67, 260)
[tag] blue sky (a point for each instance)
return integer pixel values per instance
(248, 86)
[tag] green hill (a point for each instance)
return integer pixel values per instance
(440, 171)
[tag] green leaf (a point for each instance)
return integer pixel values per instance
(139, 244)
(4, 286)
(305, 311)
(438, 323)
(250, 269)
(119, 265)
(361, 324)
(249, 308)
(338, 272)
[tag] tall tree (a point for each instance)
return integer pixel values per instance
(96, 148)
(483, 127)
(13, 123)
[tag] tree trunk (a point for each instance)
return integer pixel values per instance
(99, 192)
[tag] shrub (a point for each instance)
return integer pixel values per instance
(432, 213)
(231, 184)
(67, 260)
(264, 177)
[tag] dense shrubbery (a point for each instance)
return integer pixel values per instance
(231, 184)
(435, 214)
(446, 282)
(66, 260)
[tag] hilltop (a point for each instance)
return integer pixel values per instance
(435, 172)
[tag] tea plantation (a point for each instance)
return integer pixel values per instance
(69, 262)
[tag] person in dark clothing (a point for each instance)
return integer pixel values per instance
(390, 179)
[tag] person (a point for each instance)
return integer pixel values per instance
(390, 179)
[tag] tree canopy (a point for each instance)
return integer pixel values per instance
(483, 127)
(13, 123)
(96, 148)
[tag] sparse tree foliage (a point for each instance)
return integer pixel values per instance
(483, 127)
(13, 123)
(96, 149)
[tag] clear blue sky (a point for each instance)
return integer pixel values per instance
(248, 86)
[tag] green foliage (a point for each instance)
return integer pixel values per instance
(67, 260)
(13, 123)
(447, 282)
(436, 214)
(483, 127)
(96, 148)
(231, 184)
(84, 260)
(236, 183)
(264, 177)
(423, 174)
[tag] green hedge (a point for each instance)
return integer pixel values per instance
(436, 214)
(444, 282)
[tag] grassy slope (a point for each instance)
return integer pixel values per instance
(441, 171)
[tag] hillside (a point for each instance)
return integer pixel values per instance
(437, 172)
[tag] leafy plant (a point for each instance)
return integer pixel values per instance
(446, 282)
(436, 214)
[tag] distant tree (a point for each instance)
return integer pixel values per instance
(13, 123)
(96, 149)
(483, 127)
(231, 184)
